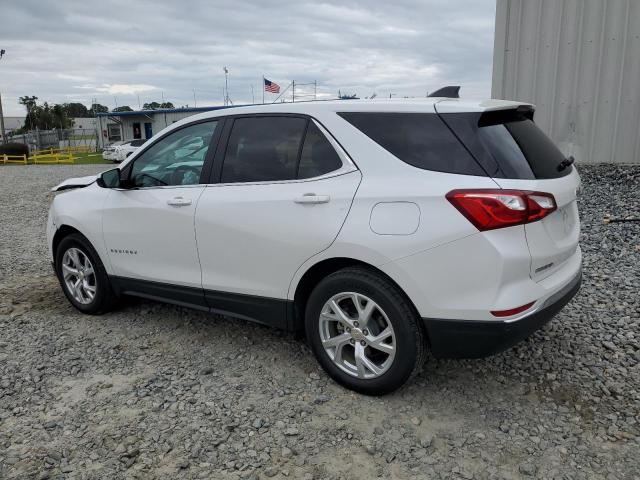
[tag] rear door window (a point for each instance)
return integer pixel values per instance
(508, 144)
(263, 149)
(419, 139)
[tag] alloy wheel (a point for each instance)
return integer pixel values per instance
(79, 276)
(357, 335)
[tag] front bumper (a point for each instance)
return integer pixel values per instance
(480, 338)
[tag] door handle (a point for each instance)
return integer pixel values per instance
(312, 198)
(179, 202)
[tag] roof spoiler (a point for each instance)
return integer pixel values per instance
(496, 117)
(450, 91)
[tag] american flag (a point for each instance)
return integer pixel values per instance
(270, 86)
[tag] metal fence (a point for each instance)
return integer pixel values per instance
(56, 139)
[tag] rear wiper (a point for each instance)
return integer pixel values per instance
(567, 162)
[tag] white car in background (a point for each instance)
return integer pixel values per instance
(382, 229)
(119, 151)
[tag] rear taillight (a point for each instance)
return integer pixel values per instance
(489, 209)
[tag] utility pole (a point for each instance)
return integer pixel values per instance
(2, 133)
(226, 85)
(293, 91)
(4, 136)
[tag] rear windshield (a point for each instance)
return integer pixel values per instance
(419, 139)
(507, 144)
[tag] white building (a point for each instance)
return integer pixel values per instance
(85, 123)
(578, 61)
(119, 126)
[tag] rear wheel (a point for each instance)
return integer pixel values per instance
(82, 275)
(364, 331)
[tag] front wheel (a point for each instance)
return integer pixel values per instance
(364, 331)
(82, 276)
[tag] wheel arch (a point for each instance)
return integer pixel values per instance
(62, 231)
(322, 269)
(67, 228)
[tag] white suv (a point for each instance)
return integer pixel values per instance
(382, 229)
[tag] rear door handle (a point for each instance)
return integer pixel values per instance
(179, 202)
(312, 198)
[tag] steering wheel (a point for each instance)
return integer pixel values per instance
(185, 175)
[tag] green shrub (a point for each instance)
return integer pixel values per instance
(14, 148)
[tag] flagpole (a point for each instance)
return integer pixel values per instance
(263, 89)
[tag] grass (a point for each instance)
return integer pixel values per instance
(88, 158)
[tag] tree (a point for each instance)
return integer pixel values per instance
(76, 110)
(156, 105)
(29, 103)
(97, 108)
(347, 96)
(123, 108)
(59, 117)
(45, 116)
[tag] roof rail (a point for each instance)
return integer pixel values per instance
(450, 91)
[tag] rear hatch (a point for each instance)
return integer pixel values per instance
(516, 154)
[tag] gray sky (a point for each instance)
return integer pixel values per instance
(113, 50)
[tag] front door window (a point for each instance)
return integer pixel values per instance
(176, 159)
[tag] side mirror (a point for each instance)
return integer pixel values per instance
(110, 179)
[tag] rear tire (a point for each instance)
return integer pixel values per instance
(82, 276)
(364, 331)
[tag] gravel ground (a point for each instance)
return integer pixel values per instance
(156, 391)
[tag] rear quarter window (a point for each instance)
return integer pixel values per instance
(508, 144)
(422, 140)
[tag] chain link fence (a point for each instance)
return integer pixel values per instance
(58, 139)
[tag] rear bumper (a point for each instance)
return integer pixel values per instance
(480, 338)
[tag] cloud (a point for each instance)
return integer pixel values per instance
(122, 49)
(124, 89)
(75, 78)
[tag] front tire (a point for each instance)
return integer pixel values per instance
(364, 331)
(82, 276)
